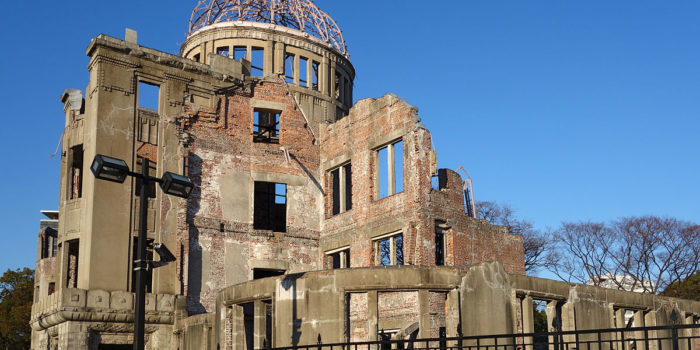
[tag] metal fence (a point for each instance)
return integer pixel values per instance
(679, 337)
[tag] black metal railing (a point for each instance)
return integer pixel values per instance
(679, 337)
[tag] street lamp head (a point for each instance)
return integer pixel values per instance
(110, 169)
(176, 185)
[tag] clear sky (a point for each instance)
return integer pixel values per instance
(565, 110)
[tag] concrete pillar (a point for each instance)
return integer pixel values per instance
(268, 58)
(528, 320)
(372, 315)
(568, 322)
(331, 83)
(259, 324)
(278, 60)
(238, 328)
(551, 316)
(650, 321)
(296, 70)
(323, 76)
(424, 313)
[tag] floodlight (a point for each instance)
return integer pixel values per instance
(176, 185)
(110, 169)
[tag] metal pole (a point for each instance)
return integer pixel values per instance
(141, 264)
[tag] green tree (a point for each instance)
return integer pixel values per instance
(16, 294)
(687, 289)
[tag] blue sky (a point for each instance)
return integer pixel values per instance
(565, 110)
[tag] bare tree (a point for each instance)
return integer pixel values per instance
(535, 243)
(645, 253)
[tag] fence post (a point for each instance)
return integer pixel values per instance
(674, 336)
(319, 341)
(459, 336)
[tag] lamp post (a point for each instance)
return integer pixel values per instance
(116, 170)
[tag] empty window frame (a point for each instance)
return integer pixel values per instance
(440, 246)
(341, 193)
(303, 71)
(72, 263)
(257, 61)
(289, 67)
(338, 258)
(263, 273)
(196, 57)
(149, 257)
(338, 93)
(52, 287)
(49, 240)
(390, 169)
(222, 51)
(76, 172)
(240, 52)
(266, 126)
(270, 206)
(388, 249)
(314, 75)
(151, 190)
(148, 95)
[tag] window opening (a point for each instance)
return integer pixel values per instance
(347, 98)
(52, 287)
(76, 185)
(341, 179)
(148, 95)
(289, 67)
(196, 57)
(338, 259)
(72, 261)
(49, 239)
(440, 231)
(338, 86)
(270, 206)
(314, 75)
(240, 52)
(539, 320)
(390, 169)
(389, 250)
(268, 323)
(262, 273)
(257, 58)
(151, 190)
(148, 274)
(266, 126)
(303, 71)
(249, 324)
(222, 51)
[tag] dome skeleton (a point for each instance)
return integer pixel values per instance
(301, 15)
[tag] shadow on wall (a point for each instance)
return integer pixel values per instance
(194, 261)
(289, 283)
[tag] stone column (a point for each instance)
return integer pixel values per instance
(259, 324)
(528, 320)
(278, 67)
(424, 313)
(372, 315)
(268, 58)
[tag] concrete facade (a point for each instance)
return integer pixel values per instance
(310, 216)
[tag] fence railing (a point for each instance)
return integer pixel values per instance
(679, 337)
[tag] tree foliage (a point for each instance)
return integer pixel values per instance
(687, 289)
(535, 243)
(646, 253)
(16, 293)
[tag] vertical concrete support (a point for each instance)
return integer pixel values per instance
(372, 315)
(331, 83)
(309, 73)
(452, 317)
(268, 58)
(639, 322)
(568, 322)
(551, 316)
(73, 337)
(259, 324)
(249, 53)
(528, 320)
(486, 301)
(296, 70)
(279, 58)
(424, 313)
(238, 328)
(650, 321)
(619, 323)
(323, 76)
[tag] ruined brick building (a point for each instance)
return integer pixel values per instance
(312, 215)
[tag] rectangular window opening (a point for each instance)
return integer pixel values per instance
(440, 231)
(289, 67)
(263, 273)
(341, 191)
(266, 126)
(148, 273)
(270, 206)
(389, 250)
(314, 75)
(196, 57)
(338, 259)
(257, 59)
(148, 95)
(222, 51)
(52, 287)
(76, 161)
(338, 86)
(240, 52)
(72, 262)
(303, 71)
(390, 169)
